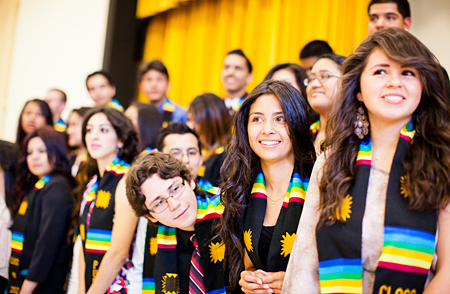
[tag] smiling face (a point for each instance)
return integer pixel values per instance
(37, 158)
(268, 133)
(73, 131)
(386, 15)
(322, 94)
(101, 138)
(32, 117)
(181, 212)
(235, 75)
(390, 91)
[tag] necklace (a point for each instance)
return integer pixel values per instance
(276, 200)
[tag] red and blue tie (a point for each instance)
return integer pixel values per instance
(196, 285)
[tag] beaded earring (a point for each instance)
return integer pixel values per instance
(361, 123)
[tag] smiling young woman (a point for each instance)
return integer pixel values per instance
(377, 203)
(271, 150)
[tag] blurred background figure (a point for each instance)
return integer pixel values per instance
(56, 100)
(74, 130)
(35, 114)
(311, 52)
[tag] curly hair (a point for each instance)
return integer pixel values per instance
(242, 165)
(426, 163)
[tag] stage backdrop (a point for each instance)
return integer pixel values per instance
(192, 36)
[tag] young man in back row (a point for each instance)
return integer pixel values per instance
(162, 189)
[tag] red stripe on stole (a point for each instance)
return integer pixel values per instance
(162, 246)
(405, 137)
(209, 216)
(403, 268)
(362, 161)
(258, 195)
(16, 250)
(95, 251)
(293, 199)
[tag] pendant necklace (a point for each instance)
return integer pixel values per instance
(276, 200)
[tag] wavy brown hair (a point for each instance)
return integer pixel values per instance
(242, 165)
(426, 163)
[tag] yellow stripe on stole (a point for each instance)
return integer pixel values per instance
(16, 245)
(405, 260)
(211, 209)
(362, 155)
(341, 289)
(96, 245)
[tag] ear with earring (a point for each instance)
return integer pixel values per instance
(120, 151)
(361, 123)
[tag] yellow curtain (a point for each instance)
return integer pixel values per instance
(147, 8)
(192, 40)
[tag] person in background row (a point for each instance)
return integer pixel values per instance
(102, 89)
(188, 256)
(147, 122)
(312, 51)
(154, 83)
(377, 209)
(8, 163)
(323, 85)
(107, 222)
(35, 114)
(265, 177)
(79, 152)
(56, 100)
(235, 76)
(41, 253)
(210, 119)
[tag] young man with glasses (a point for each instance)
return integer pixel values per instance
(188, 259)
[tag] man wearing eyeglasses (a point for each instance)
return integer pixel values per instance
(162, 189)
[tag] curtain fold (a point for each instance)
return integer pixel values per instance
(193, 39)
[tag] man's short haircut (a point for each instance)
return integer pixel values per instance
(402, 6)
(241, 53)
(315, 48)
(145, 166)
(64, 96)
(178, 128)
(154, 64)
(104, 74)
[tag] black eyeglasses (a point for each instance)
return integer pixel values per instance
(320, 78)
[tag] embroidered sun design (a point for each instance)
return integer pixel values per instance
(170, 284)
(403, 190)
(346, 208)
(287, 243)
(153, 245)
(248, 240)
(217, 251)
(23, 207)
(103, 198)
(83, 236)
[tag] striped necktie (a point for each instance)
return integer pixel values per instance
(196, 285)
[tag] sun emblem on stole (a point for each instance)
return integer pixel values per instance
(170, 284)
(217, 251)
(403, 190)
(23, 207)
(153, 245)
(287, 243)
(248, 240)
(346, 209)
(103, 198)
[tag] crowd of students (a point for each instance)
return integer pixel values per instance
(331, 178)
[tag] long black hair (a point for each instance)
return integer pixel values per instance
(9, 154)
(46, 112)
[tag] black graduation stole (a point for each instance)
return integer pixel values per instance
(212, 253)
(168, 109)
(284, 232)
(17, 271)
(408, 242)
(96, 221)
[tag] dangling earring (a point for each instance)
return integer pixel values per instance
(361, 124)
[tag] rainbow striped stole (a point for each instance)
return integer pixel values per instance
(117, 167)
(115, 104)
(408, 132)
(60, 126)
(17, 242)
(315, 127)
(296, 191)
(206, 186)
(168, 106)
(148, 286)
(407, 250)
(364, 153)
(98, 241)
(41, 183)
(208, 207)
(341, 275)
(166, 237)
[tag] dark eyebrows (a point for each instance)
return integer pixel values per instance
(380, 65)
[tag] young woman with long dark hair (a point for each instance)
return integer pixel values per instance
(107, 222)
(35, 114)
(40, 252)
(265, 177)
(377, 208)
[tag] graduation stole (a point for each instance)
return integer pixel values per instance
(168, 108)
(284, 233)
(212, 253)
(314, 128)
(17, 272)
(97, 214)
(114, 103)
(60, 125)
(409, 236)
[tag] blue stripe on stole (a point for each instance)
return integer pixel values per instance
(218, 291)
(340, 265)
(99, 235)
(409, 236)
